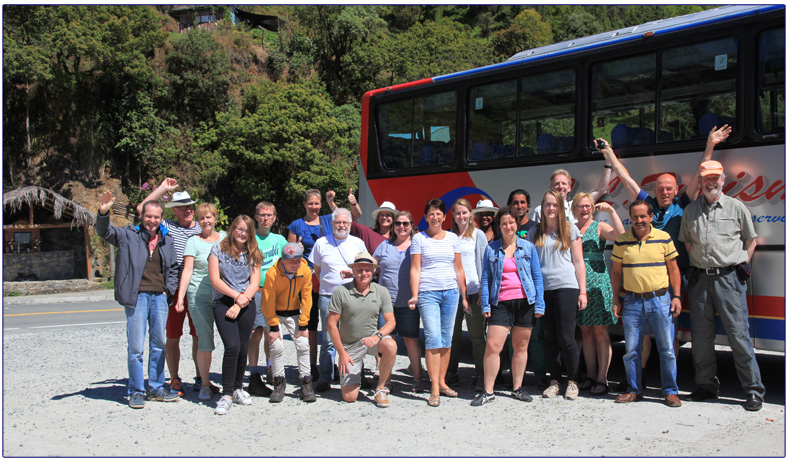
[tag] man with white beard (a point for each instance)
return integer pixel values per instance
(330, 256)
(720, 239)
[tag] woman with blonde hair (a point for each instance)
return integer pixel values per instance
(197, 287)
(560, 250)
(593, 321)
(473, 242)
(234, 270)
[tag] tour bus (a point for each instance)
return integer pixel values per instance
(654, 91)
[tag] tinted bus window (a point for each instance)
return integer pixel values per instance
(771, 81)
(623, 100)
(493, 121)
(419, 131)
(547, 113)
(698, 89)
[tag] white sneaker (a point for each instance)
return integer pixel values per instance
(205, 394)
(571, 390)
(552, 391)
(223, 405)
(240, 397)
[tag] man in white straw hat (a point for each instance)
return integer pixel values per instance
(356, 307)
(181, 230)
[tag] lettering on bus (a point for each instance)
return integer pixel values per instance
(751, 191)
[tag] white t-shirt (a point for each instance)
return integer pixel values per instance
(333, 255)
(471, 253)
(437, 261)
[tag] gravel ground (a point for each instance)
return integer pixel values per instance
(64, 395)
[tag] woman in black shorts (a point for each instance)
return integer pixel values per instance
(512, 296)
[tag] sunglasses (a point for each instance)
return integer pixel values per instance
(403, 223)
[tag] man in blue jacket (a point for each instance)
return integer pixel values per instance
(146, 274)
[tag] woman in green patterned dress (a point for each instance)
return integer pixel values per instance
(593, 321)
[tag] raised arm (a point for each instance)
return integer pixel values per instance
(103, 227)
(618, 168)
(167, 185)
(604, 182)
(610, 231)
(715, 137)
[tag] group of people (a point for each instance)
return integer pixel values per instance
(535, 280)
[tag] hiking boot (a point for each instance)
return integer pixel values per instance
(160, 394)
(482, 398)
(137, 400)
(382, 397)
(241, 397)
(257, 387)
(279, 390)
(571, 390)
(322, 386)
(223, 405)
(552, 391)
(269, 375)
(307, 394)
(177, 387)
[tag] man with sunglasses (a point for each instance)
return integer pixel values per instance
(181, 230)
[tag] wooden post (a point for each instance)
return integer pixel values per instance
(86, 233)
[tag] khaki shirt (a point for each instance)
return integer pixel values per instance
(717, 232)
(359, 314)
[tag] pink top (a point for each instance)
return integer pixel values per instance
(511, 286)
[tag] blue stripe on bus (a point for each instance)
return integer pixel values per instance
(638, 36)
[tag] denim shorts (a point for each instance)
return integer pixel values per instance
(259, 319)
(438, 309)
(407, 322)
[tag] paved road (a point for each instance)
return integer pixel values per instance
(59, 315)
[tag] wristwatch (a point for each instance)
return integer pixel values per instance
(675, 296)
(380, 336)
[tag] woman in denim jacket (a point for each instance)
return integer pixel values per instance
(512, 296)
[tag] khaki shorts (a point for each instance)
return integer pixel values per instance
(357, 350)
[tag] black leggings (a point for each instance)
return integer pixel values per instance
(235, 334)
(559, 322)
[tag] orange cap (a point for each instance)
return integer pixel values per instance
(710, 167)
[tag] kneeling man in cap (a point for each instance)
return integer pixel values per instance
(356, 307)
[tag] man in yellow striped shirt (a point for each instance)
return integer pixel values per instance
(644, 265)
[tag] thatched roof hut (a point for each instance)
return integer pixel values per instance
(61, 207)
(42, 239)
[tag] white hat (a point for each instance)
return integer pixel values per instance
(363, 257)
(484, 205)
(386, 206)
(180, 199)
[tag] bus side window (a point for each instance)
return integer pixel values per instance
(623, 100)
(547, 113)
(698, 89)
(771, 82)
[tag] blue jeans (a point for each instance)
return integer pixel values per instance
(438, 308)
(327, 352)
(655, 312)
(150, 312)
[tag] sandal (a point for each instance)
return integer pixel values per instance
(448, 392)
(599, 389)
(434, 401)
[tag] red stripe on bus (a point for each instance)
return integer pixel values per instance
(411, 193)
(764, 305)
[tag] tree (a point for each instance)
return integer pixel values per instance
(286, 140)
(335, 30)
(527, 31)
